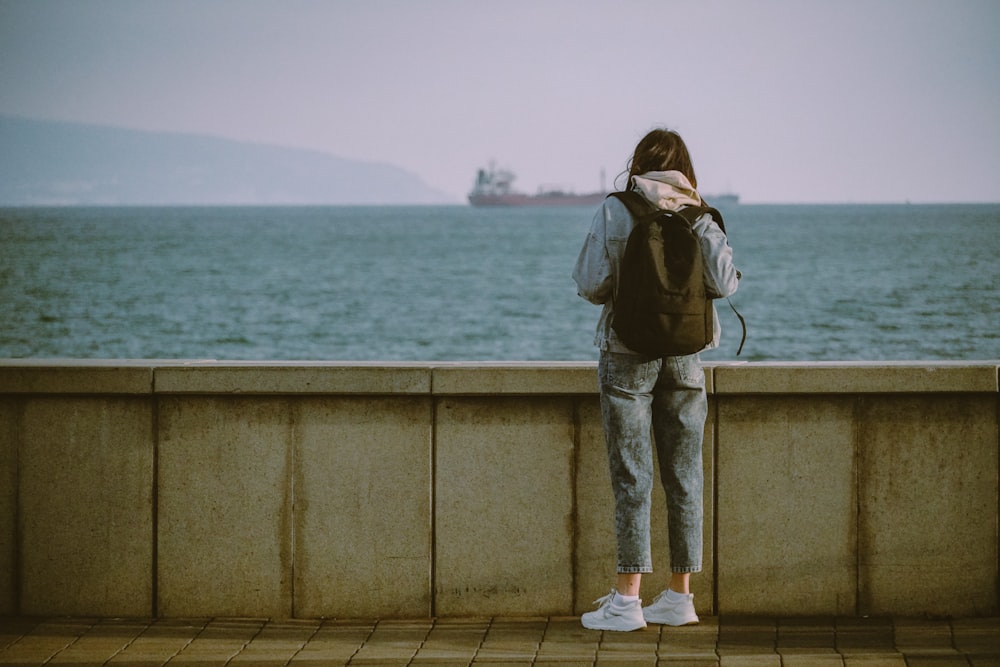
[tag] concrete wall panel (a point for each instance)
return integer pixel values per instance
(595, 531)
(225, 507)
(85, 481)
(9, 417)
(362, 507)
(272, 489)
(928, 470)
(786, 506)
(504, 506)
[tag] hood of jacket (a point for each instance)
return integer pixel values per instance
(667, 189)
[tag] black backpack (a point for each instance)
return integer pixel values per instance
(662, 307)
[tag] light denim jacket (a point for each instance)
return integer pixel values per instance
(597, 268)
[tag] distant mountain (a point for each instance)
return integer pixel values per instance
(44, 162)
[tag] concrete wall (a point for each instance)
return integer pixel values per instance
(137, 488)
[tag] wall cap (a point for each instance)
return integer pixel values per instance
(471, 378)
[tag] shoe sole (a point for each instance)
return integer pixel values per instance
(672, 624)
(638, 627)
(598, 626)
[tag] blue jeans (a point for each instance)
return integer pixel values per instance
(644, 401)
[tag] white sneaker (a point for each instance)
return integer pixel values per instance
(610, 616)
(665, 612)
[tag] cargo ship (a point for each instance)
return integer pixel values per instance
(494, 187)
(722, 200)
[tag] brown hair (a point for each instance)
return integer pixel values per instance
(661, 150)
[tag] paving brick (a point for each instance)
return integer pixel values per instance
(12, 629)
(745, 643)
(100, 644)
(978, 637)
(160, 641)
(926, 642)
(937, 661)
(392, 642)
(704, 647)
(646, 640)
(863, 642)
(334, 643)
(761, 660)
(810, 657)
(798, 635)
(568, 630)
(513, 638)
(45, 640)
(625, 660)
(984, 661)
(861, 636)
(554, 642)
(220, 640)
(875, 660)
(278, 642)
(689, 660)
(764, 628)
(564, 651)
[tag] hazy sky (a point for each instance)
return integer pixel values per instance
(779, 100)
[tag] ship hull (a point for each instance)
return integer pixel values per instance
(545, 199)
(722, 200)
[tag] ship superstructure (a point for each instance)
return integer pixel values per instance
(494, 187)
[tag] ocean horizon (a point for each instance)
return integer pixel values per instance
(821, 282)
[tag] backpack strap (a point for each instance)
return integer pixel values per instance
(639, 206)
(636, 204)
(692, 213)
(743, 323)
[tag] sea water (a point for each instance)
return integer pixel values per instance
(426, 283)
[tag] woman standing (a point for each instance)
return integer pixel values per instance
(641, 396)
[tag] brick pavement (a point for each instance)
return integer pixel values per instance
(553, 642)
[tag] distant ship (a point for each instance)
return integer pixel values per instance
(494, 187)
(722, 199)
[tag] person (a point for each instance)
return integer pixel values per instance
(640, 395)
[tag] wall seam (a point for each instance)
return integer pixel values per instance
(858, 468)
(154, 497)
(574, 506)
(18, 574)
(432, 574)
(294, 420)
(715, 503)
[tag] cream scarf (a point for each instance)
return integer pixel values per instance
(667, 189)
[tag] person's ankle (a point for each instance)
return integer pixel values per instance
(620, 600)
(674, 596)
